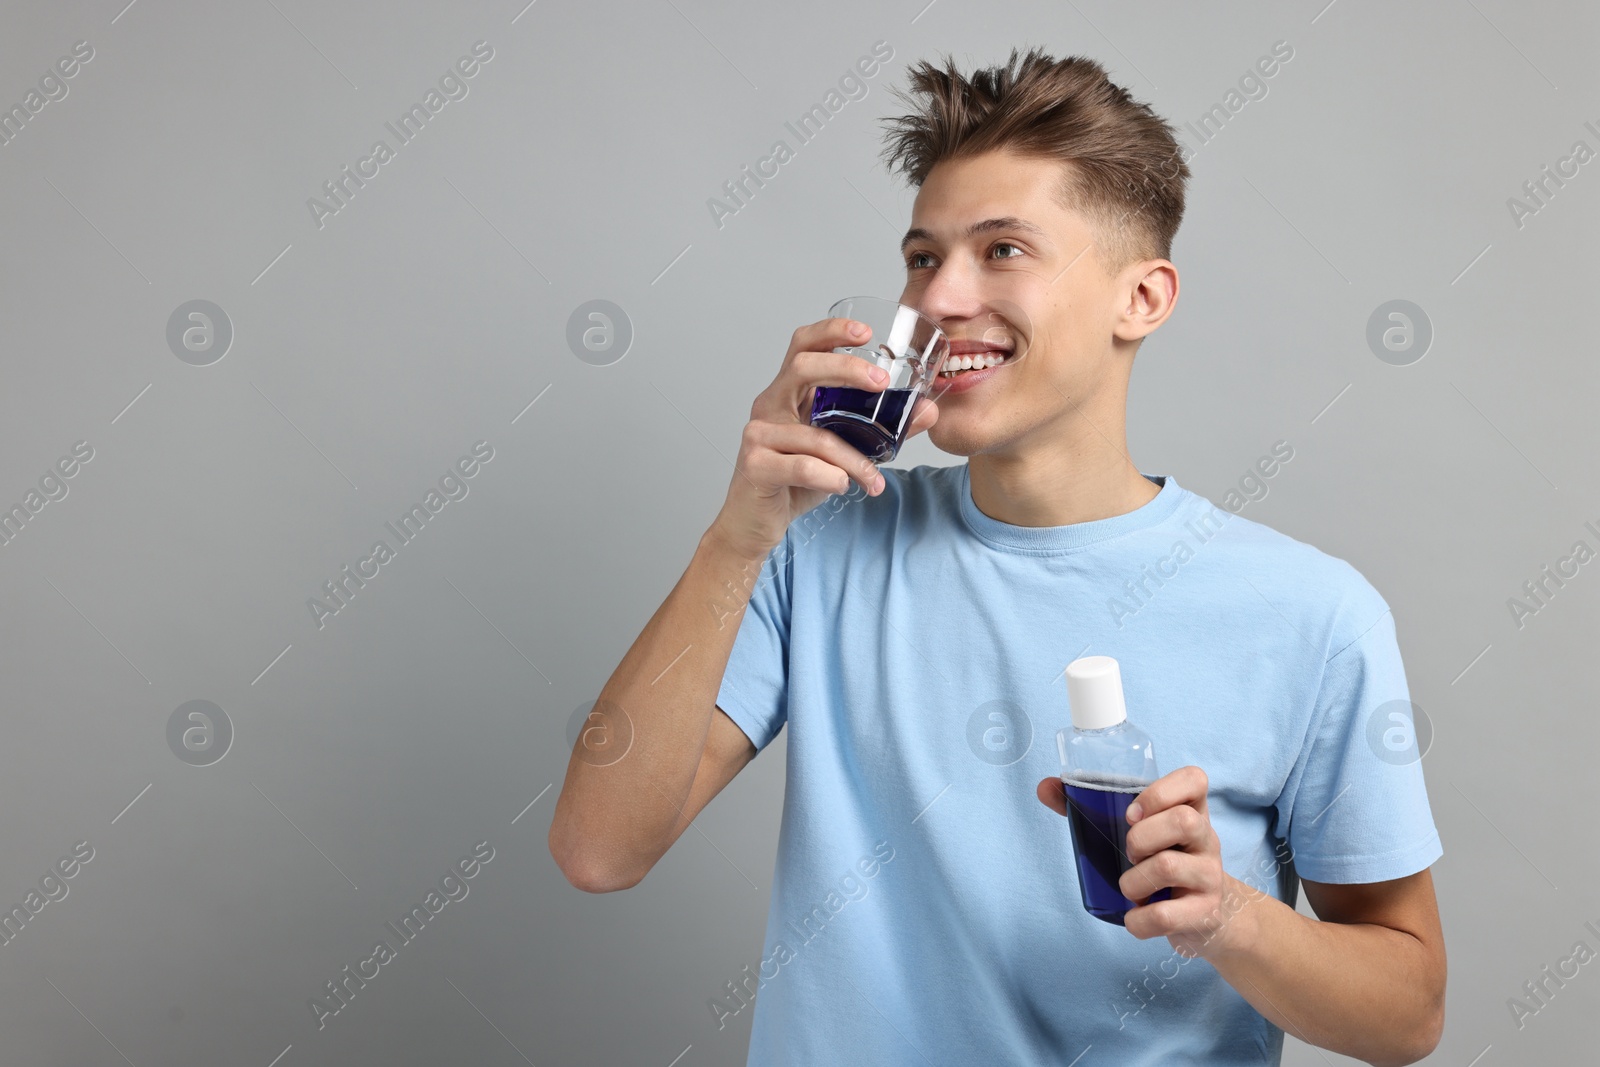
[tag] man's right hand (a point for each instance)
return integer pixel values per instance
(786, 466)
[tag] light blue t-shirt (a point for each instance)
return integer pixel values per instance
(925, 908)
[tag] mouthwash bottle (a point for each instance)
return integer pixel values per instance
(1106, 761)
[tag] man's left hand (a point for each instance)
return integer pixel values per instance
(1171, 844)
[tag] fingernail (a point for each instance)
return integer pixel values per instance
(1135, 812)
(858, 330)
(880, 375)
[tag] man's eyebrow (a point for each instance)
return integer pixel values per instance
(1008, 222)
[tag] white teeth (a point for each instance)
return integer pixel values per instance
(953, 364)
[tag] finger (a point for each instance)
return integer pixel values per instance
(798, 439)
(789, 395)
(1186, 785)
(1193, 918)
(810, 369)
(783, 471)
(826, 334)
(1051, 796)
(1179, 917)
(1168, 868)
(1177, 827)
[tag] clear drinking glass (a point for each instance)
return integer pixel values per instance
(904, 342)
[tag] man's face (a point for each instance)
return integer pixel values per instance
(1034, 282)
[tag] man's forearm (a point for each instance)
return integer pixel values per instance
(614, 818)
(1358, 989)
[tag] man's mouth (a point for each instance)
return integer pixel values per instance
(972, 357)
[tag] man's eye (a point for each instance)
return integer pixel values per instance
(913, 260)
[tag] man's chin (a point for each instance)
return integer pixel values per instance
(957, 441)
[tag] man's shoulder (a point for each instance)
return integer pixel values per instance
(1293, 575)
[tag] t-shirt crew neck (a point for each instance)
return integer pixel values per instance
(1073, 536)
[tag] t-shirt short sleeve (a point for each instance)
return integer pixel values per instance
(755, 686)
(1357, 807)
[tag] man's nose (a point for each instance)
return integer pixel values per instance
(950, 295)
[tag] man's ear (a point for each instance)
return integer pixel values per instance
(1152, 288)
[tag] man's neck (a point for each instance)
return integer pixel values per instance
(1057, 490)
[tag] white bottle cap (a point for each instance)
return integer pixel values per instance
(1094, 691)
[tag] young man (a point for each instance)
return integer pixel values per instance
(925, 908)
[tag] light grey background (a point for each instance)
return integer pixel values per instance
(370, 354)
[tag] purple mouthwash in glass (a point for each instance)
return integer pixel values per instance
(874, 422)
(1106, 761)
(871, 422)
